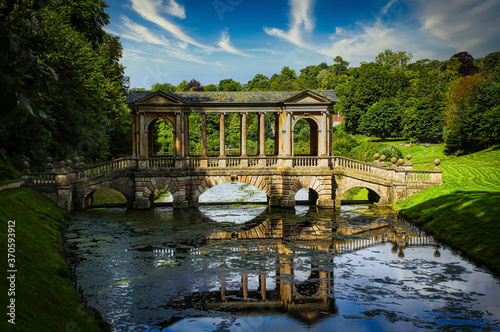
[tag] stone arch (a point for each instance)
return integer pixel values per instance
(145, 188)
(149, 129)
(314, 125)
(202, 184)
(382, 192)
(320, 185)
(86, 196)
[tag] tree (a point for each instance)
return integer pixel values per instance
(382, 119)
(165, 87)
(210, 87)
(65, 83)
(194, 85)
(394, 59)
(492, 62)
(340, 65)
(463, 63)
(230, 85)
(259, 83)
(473, 116)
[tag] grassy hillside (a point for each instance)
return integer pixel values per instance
(465, 211)
(44, 295)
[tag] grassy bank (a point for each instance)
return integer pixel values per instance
(45, 299)
(465, 211)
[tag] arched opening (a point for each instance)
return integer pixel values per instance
(305, 137)
(360, 195)
(105, 197)
(233, 202)
(232, 134)
(253, 134)
(306, 196)
(161, 138)
(194, 134)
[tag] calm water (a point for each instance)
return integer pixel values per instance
(248, 268)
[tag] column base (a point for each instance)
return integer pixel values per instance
(326, 203)
(142, 204)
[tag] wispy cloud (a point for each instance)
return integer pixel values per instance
(302, 20)
(225, 45)
(150, 9)
(174, 9)
(139, 33)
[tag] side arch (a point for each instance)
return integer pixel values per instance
(382, 192)
(85, 196)
(149, 124)
(321, 185)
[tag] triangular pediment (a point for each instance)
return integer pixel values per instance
(307, 97)
(159, 98)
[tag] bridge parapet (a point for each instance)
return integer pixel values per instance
(390, 183)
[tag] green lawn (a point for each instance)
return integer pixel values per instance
(44, 294)
(464, 212)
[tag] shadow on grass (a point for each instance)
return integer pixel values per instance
(465, 220)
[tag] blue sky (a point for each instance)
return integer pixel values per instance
(168, 41)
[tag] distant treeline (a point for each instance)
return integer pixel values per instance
(455, 101)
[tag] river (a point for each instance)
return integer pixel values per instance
(251, 268)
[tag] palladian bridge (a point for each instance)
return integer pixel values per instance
(280, 175)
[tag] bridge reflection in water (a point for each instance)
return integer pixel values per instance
(272, 266)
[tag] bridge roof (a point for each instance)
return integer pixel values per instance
(233, 96)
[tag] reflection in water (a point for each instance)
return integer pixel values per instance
(175, 270)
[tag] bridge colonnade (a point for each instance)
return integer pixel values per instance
(286, 108)
(280, 176)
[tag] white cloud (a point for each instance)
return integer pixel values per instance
(141, 34)
(174, 9)
(302, 19)
(225, 44)
(466, 25)
(150, 9)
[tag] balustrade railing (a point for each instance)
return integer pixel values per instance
(305, 162)
(42, 179)
(412, 176)
(161, 162)
(272, 161)
(233, 162)
(68, 174)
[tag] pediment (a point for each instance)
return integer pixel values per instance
(307, 97)
(159, 98)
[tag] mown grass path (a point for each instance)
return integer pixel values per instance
(465, 211)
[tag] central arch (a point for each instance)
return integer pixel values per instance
(204, 183)
(300, 127)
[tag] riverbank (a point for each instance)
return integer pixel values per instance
(465, 211)
(45, 299)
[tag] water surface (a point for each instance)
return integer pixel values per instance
(249, 268)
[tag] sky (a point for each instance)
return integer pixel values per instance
(167, 41)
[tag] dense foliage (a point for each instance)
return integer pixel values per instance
(455, 101)
(62, 87)
(63, 93)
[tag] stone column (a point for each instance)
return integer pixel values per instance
(177, 137)
(262, 134)
(186, 134)
(243, 136)
(203, 135)
(277, 130)
(222, 140)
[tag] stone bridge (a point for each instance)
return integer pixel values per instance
(187, 173)
(72, 185)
